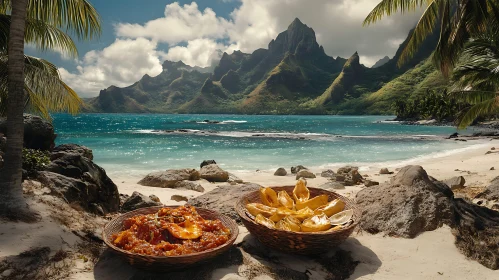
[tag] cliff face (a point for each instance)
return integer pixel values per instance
(293, 76)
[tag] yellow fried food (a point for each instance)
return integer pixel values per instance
(289, 224)
(331, 208)
(258, 208)
(190, 230)
(313, 203)
(303, 214)
(301, 192)
(269, 197)
(285, 211)
(264, 221)
(285, 200)
(316, 223)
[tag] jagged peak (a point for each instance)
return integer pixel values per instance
(296, 23)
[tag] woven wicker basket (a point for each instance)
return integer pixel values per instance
(310, 243)
(154, 263)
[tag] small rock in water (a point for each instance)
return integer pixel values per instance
(280, 172)
(179, 198)
(207, 162)
(304, 174)
(385, 171)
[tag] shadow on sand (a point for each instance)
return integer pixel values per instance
(251, 259)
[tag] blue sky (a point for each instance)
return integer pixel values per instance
(138, 35)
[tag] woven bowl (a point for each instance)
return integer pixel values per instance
(171, 263)
(303, 243)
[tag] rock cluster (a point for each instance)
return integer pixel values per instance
(170, 178)
(38, 133)
(138, 200)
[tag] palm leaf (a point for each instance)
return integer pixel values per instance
(389, 7)
(483, 108)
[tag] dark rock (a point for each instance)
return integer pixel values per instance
(123, 198)
(384, 171)
(455, 182)
(453, 135)
(207, 162)
(72, 148)
(76, 178)
(332, 185)
(493, 148)
(492, 168)
(179, 198)
(346, 169)
(154, 198)
(328, 173)
(3, 142)
(356, 177)
(223, 199)
(369, 183)
(168, 178)
(304, 173)
(412, 203)
(188, 185)
(280, 172)
(296, 169)
(137, 201)
(213, 173)
(91, 196)
(38, 133)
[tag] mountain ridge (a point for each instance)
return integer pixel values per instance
(293, 76)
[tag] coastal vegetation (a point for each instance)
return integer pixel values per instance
(34, 84)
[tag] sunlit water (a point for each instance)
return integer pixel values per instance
(133, 144)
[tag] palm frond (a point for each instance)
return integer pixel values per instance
(389, 7)
(474, 96)
(483, 108)
(425, 27)
(78, 17)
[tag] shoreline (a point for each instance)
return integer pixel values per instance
(470, 162)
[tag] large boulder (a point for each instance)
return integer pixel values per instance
(38, 133)
(214, 173)
(305, 173)
(328, 174)
(410, 204)
(346, 169)
(168, 178)
(137, 201)
(223, 199)
(79, 180)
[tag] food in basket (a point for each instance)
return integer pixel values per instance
(300, 213)
(170, 232)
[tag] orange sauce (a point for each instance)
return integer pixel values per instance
(158, 234)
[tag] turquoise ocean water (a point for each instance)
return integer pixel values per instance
(130, 144)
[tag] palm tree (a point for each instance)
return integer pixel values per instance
(476, 77)
(75, 16)
(456, 20)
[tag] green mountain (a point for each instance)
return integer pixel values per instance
(293, 76)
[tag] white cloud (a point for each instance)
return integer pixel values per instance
(197, 37)
(180, 24)
(199, 52)
(120, 64)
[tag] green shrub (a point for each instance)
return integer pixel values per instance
(35, 160)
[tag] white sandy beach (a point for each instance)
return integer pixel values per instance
(432, 255)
